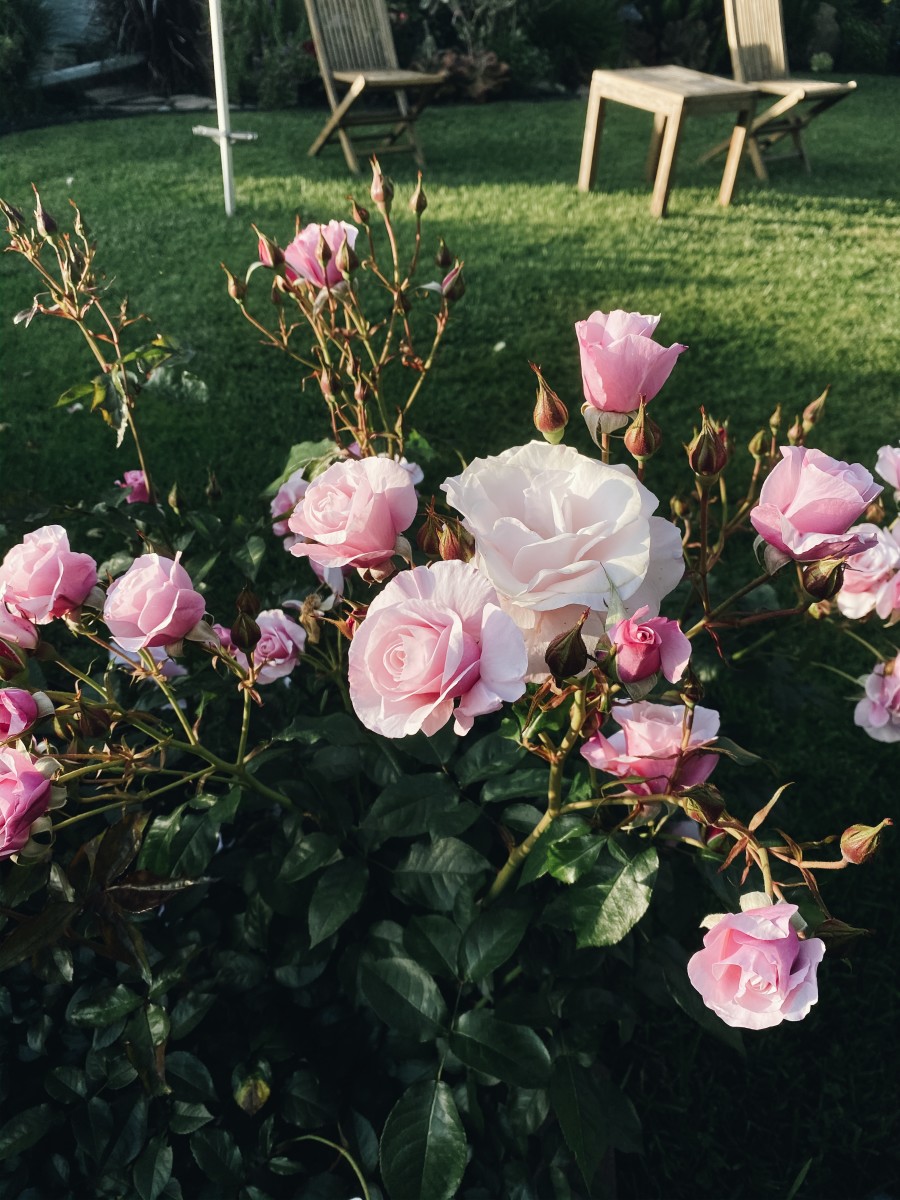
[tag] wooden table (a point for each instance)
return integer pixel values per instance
(671, 94)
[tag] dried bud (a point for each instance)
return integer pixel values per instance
(550, 414)
(355, 615)
(213, 490)
(567, 654)
(418, 201)
(759, 445)
(270, 253)
(796, 433)
(643, 437)
(454, 542)
(361, 392)
(346, 260)
(359, 214)
(237, 289)
(708, 451)
(245, 632)
(703, 804)
(815, 410)
(277, 293)
(825, 578)
(859, 843)
(247, 602)
(875, 512)
(174, 499)
(428, 539)
(775, 421)
(15, 221)
(443, 258)
(46, 226)
(382, 190)
(453, 286)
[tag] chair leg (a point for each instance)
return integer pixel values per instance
(593, 132)
(656, 139)
(334, 125)
(666, 169)
(756, 158)
(735, 152)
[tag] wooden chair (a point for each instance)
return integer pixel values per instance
(759, 57)
(355, 49)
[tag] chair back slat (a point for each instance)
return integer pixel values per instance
(352, 35)
(756, 39)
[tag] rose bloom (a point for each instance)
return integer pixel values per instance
(276, 653)
(887, 465)
(136, 483)
(17, 634)
(354, 512)
(24, 797)
(152, 604)
(868, 574)
(300, 256)
(19, 710)
(878, 713)
(808, 503)
(644, 648)
(557, 532)
(754, 971)
(416, 473)
(649, 745)
(620, 365)
(434, 645)
(41, 578)
(286, 500)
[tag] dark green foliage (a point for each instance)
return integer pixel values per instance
(24, 27)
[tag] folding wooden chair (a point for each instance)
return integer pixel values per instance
(355, 49)
(759, 58)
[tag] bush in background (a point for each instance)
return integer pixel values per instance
(24, 25)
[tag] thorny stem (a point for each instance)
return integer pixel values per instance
(245, 729)
(163, 686)
(726, 604)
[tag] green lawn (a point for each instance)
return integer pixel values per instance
(791, 289)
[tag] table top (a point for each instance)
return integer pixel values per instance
(669, 81)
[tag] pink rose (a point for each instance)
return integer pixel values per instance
(754, 971)
(286, 500)
(354, 513)
(620, 366)
(557, 532)
(415, 472)
(41, 578)
(878, 713)
(887, 465)
(19, 710)
(807, 505)
(136, 483)
(17, 634)
(868, 575)
(434, 644)
(301, 263)
(644, 648)
(276, 653)
(152, 604)
(24, 797)
(649, 745)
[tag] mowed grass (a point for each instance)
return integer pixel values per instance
(791, 289)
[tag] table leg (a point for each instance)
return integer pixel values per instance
(735, 152)
(593, 132)
(656, 137)
(667, 155)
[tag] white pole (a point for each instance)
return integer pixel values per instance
(222, 112)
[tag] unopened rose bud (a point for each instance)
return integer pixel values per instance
(550, 414)
(323, 254)
(346, 260)
(247, 602)
(359, 214)
(382, 190)
(245, 633)
(567, 654)
(453, 286)
(15, 221)
(270, 253)
(775, 421)
(237, 289)
(643, 437)
(815, 410)
(682, 507)
(329, 383)
(174, 499)
(825, 578)
(361, 392)
(428, 538)
(46, 225)
(796, 433)
(703, 804)
(455, 543)
(708, 452)
(418, 201)
(759, 445)
(355, 615)
(13, 661)
(859, 843)
(277, 293)
(444, 257)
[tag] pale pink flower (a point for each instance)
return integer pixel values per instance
(17, 634)
(354, 512)
(278, 650)
(754, 971)
(152, 604)
(868, 575)
(649, 745)
(878, 713)
(434, 645)
(301, 263)
(620, 366)
(645, 648)
(286, 500)
(887, 465)
(25, 794)
(41, 578)
(136, 484)
(807, 505)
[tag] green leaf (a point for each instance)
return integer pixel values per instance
(434, 875)
(744, 758)
(606, 904)
(92, 1125)
(145, 1037)
(190, 1011)
(530, 782)
(103, 1007)
(119, 846)
(25, 1129)
(35, 933)
(513, 1053)
(308, 855)
(132, 1136)
(338, 894)
(404, 996)
(153, 1169)
(537, 862)
(217, 1156)
(156, 849)
(409, 807)
(249, 556)
(66, 1084)
(78, 392)
(302, 1102)
(433, 941)
(194, 845)
(423, 1146)
(189, 1077)
(492, 938)
(576, 1103)
(187, 1117)
(669, 959)
(490, 756)
(569, 859)
(301, 455)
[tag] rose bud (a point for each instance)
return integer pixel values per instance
(329, 383)
(270, 253)
(444, 257)
(708, 452)
(382, 190)
(758, 445)
(247, 602)
(567, 654)
(46, 226)
(346, 260)
(703, 804)
(682, 507)
(323, 253)
(19, 710)
(15, 221)
(453, 286)
(814, 411)
(796, 433)
(245, 633)
(643, 437)
(859, 843)
(359, 214)
(550, 414)
(454, 542)
(775, 421)
(418, 201)
(237, 289)
(825, 578)
(428, 539)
